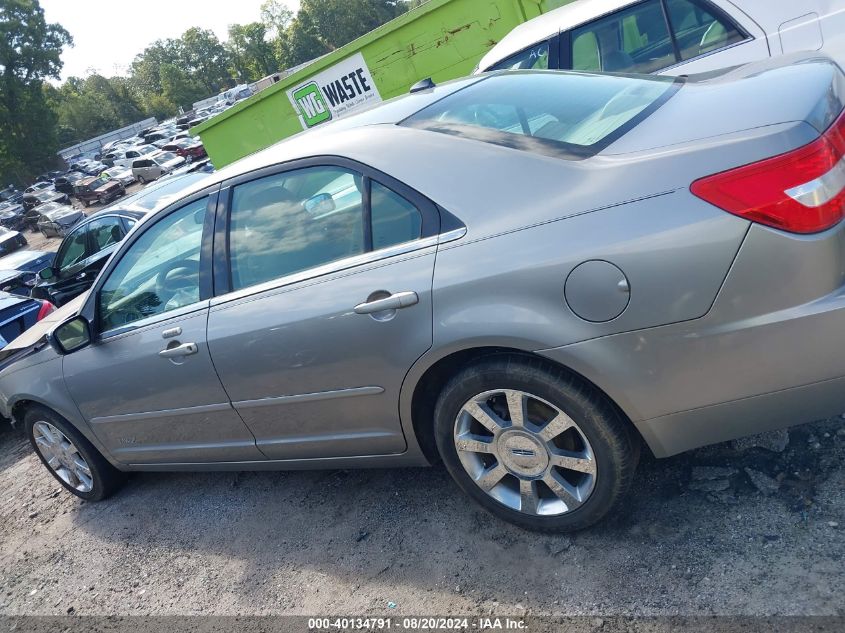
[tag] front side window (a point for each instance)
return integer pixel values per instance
(635, 40)
(698, 30)
(534, 58)
(566, 115)
(159, 273)
(305, 218)
(73, 250)
(105, 232)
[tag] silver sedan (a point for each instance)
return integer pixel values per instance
(527, 276)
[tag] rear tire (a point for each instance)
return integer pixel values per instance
(142, 180)
(560, 465)
(69, 457)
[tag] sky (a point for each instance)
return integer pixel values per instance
(108, 34)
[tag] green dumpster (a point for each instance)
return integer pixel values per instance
(441, 39)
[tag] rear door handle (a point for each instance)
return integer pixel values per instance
(188, 349)
(393, 302)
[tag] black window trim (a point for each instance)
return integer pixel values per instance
(223, 285)
(545, 147)
(565, 51)
(90, 310)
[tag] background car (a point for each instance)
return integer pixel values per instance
(82, 254)
(18, 282)
(669, 36)
(154, 166)
(89, 167)
(55, 220)
(10, 241)
(64, 184)
(98, 190)
(12, 216)
(121, 174)
(86, 249)
(39, 186)
(26, 261)
(44, 196)
(18, 314)
(188, 149)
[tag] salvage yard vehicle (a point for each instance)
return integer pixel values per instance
(523, 274)
(83, 253)
(154, 166)
(44, 196)
(121, 174)
(12, 216)
(669, 36)
(187, 148)
(55, 220)
(18, 314)
(10, 241)
(99, 190)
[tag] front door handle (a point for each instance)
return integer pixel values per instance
(188, 349)
(393, 302)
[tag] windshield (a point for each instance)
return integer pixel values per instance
(164, 157)
(567, 115)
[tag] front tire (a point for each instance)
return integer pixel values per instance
(533, 444)
(69, 457)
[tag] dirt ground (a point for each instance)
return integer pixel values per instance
(715, 531)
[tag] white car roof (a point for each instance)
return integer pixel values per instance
(548, 25)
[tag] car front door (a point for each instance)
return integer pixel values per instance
(329, 276)
(147, 384)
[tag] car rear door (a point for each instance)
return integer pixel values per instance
(324, 274)
(147, 384)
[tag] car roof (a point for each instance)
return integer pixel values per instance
(550, 24)
(18, 258)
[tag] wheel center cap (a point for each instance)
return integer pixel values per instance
(522, 453)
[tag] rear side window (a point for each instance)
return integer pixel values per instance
(635, 40)
(566, 115)
(638, 39)
(534, 58)
(699, 30)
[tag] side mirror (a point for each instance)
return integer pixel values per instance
(46, 273)
(319, 204)
(71, 336)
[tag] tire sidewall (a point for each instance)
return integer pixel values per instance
(96, 462)
(495, 375)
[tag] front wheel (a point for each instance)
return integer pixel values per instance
(69, 457)
(142, 180)
(534, 445)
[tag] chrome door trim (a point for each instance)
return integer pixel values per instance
(309, 397)
(165, 413)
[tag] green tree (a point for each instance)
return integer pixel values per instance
(252, 56)
(276, 17)
(30, 51)
(204, 56)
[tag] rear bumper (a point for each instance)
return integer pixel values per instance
(769, 354)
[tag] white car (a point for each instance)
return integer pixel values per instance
(122, 174)
(670, 37)
(154, 166)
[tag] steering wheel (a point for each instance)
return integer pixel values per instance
(180, 274)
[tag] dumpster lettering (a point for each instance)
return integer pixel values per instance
(334, 93)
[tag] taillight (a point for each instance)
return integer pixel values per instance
(802, 191)
(46, 308)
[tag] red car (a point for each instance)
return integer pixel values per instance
(187, 148)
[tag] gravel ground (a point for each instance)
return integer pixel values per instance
(715, 531)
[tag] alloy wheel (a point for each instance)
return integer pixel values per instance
(62, 457)
(525, 452)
